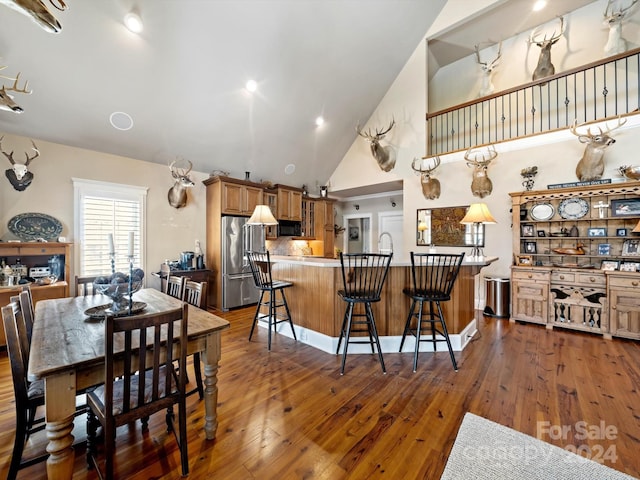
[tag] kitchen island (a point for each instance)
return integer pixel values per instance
(317, 311)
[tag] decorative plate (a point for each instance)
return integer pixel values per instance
(32, 226)
(573, 208)
(101, 311)
(542, 211)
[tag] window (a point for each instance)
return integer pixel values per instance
(103, 208)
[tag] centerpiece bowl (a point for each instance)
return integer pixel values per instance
(117, 288)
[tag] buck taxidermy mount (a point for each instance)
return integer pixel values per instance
(487, 69)
(177, 195)
(591, 165)
(613, 19)
(6, 101)
(425, 168)
(479, 158)
(37, 11)
(385, 156)
(19, 175)
(545, 68)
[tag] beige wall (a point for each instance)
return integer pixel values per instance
(169, 230)
(556, 155)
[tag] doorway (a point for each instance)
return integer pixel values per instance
(357, 237)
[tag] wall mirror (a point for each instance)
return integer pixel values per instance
(442, 227)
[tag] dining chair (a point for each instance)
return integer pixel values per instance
(433, 276)
(174, 286)
(195, 293)
(84, 285)
(28, 396)
(363, 276)
(138, 344)
(260, 263)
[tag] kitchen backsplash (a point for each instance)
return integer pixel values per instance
(287, 246)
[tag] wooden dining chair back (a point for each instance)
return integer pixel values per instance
(175, 286)
(433, 276)
(84, 285)
(195, 293)
(363, 276)
(140, 344)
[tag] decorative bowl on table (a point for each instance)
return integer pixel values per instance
(117, 288)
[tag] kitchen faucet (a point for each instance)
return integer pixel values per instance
(385, 250)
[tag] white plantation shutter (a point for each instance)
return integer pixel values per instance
(102, 209)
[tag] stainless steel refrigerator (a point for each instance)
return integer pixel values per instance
(238, 287)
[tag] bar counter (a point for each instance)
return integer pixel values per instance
(317, 310)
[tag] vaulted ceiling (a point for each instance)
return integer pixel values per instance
(182, 79)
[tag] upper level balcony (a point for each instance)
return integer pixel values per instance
(598, 91)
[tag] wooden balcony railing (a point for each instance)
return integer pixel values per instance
(596, 91)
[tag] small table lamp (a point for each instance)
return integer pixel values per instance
(477, 214)
(262, 216)
(422, 226)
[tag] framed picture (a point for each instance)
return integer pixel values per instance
(527, 230)
(604, 249)
(597, 232)
(530, 247)
(621, 232)
(542, 233)
(629, 266)
(625, 206)
(444, 228)
(630, 247)
(609, 265)
(524, 260)
(354, 234)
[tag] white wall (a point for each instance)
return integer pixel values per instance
(169, 230)
(406, 100)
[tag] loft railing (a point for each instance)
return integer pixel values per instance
(596, 91)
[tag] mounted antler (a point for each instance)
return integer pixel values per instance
(19, 174)
(481, 185)
(178, 193)
(38, 12)
(430, 185)
(545, 68)
(6, 102)
(487, 71)
(591, 165)
(613, 19)
(385, 156)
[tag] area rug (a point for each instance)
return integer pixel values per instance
(487, 450)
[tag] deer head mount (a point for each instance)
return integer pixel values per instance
(545, 68)
(19, 174)
(591, 165)
(613, 19)
(385, 156)
(6, 101)
(178, 193)
(425, 168)
(487, 71)
(38, 12)
(479, 158)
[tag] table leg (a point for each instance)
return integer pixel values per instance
(60, 401)
(211, 357)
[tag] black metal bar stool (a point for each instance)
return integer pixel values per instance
(261, 269)
(433, 276)
(363, 276)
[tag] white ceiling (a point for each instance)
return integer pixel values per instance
(182, 79)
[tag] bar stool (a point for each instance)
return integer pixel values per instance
(261, 269)
(433, 276)
(363, 276)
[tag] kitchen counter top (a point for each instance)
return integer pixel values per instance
(333, 262)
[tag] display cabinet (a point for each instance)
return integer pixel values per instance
(576, 258)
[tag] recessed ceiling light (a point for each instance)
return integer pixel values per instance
(251, 86)
(289, 169)
(539, 5)
(319, 121)
(121, 121)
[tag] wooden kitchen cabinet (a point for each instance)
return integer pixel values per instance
(237, 197)
(624, 306)
(271, 200)
(289, 203)
(32, 254)
(529, 295)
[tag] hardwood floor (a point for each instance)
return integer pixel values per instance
(289, 414)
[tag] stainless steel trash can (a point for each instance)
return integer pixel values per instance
(497, 296)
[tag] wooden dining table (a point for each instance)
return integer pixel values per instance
(67, 351)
